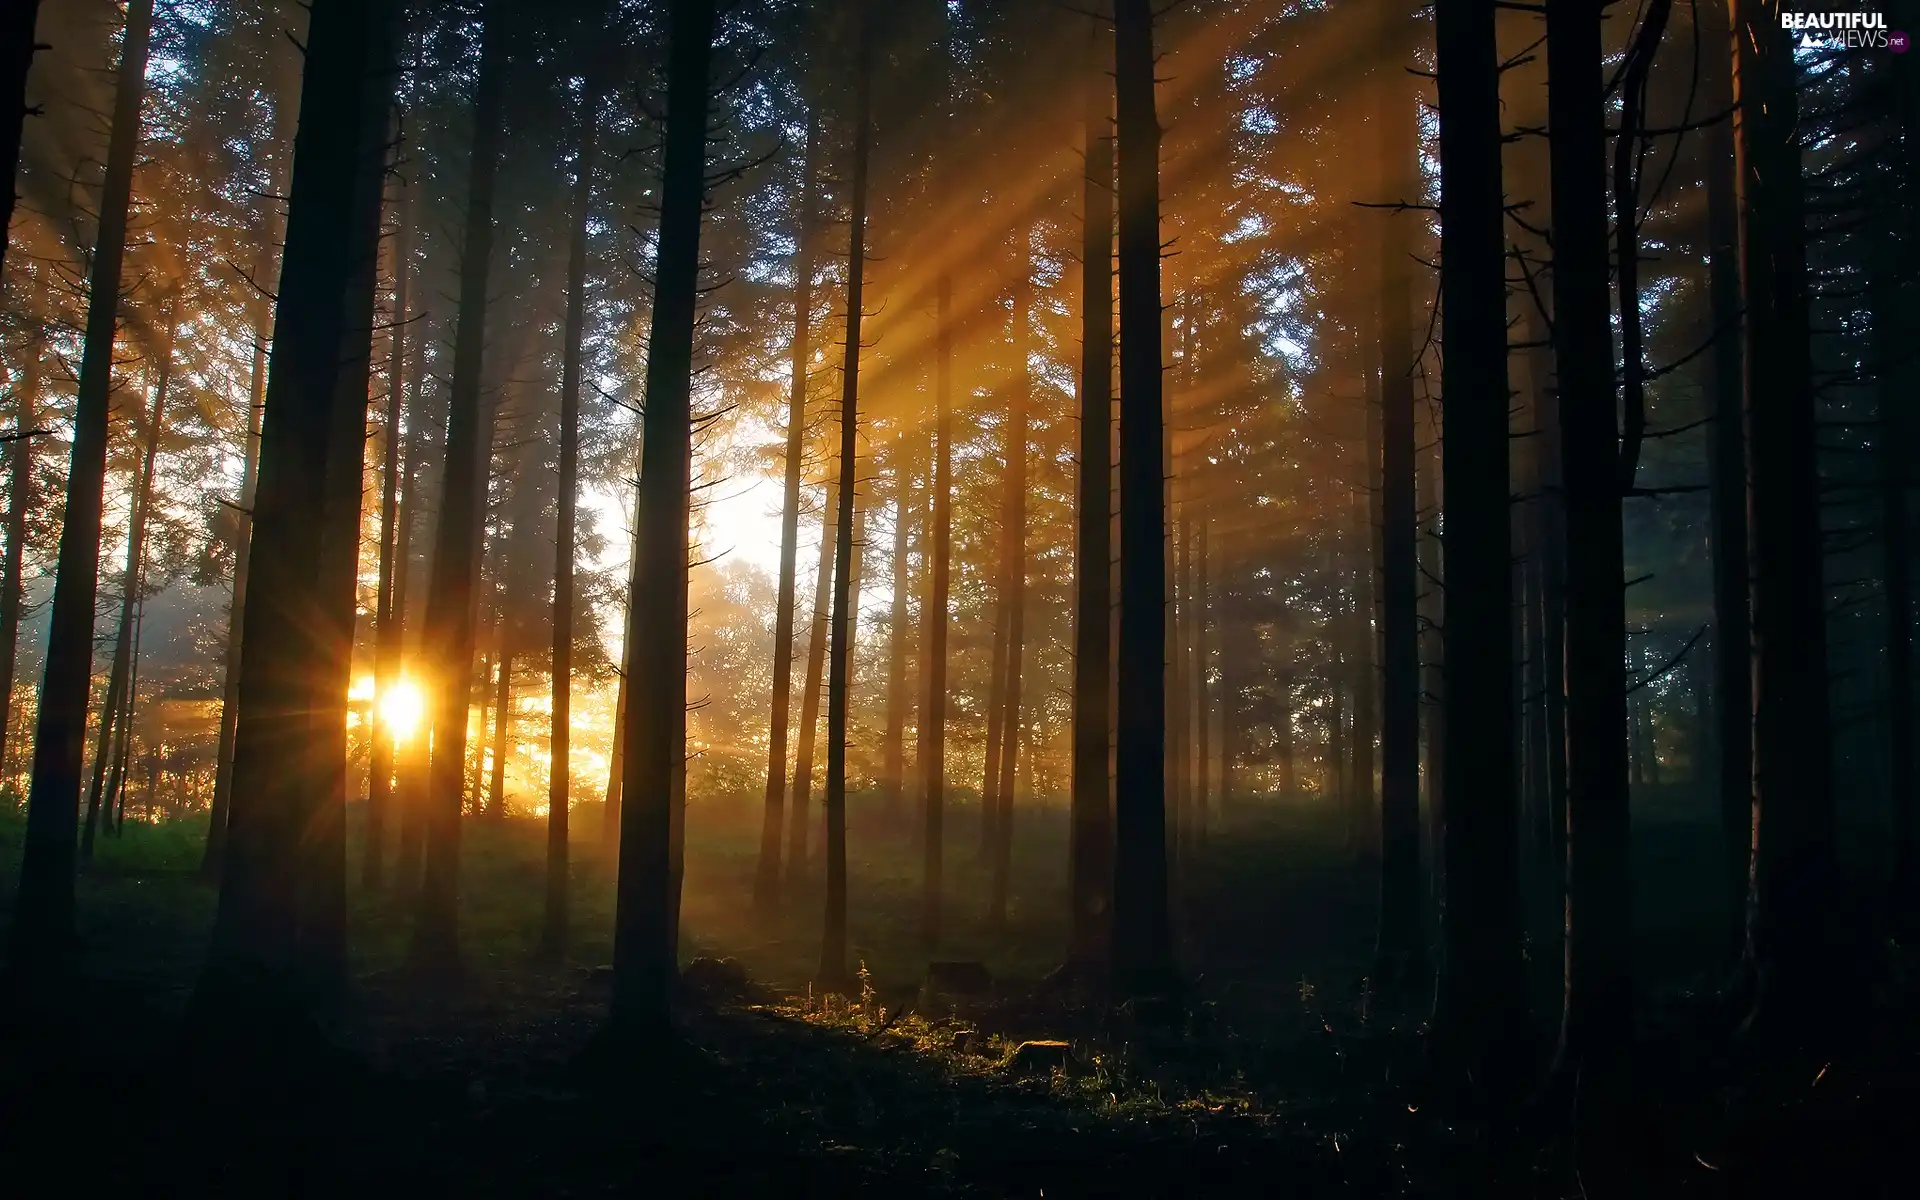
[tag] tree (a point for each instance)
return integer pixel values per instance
(1090, 845)
(1142, 947)
(1400, 945)
(447, 645)
(766, 885)
(1014, 582)
(1598, 1012)
(17, 46)
(42, 935)
(1481, 1001)
(647, 907)
(832, 975)
(389, 619)
(119, 693)
(21, 498)
(553, 937)
(263, 931)
(1791, 930)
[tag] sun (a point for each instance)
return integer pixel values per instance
(402, 706)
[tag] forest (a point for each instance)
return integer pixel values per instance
(959, 597)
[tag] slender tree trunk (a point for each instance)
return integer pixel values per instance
(1015, 587)
(1727, 476)
(115, 818)
(388, 619)
(997, 681)
(1791, 928)
(1400, 948)
(502, 722)
(1202, 687)
(451, 588)
(105, 751)
(766, 886)
(16, 60)
(832, 975)
(323, 867)
(617, 755)
(1142, 925)
(1482, 998)
(645, 934)
(893, 764)
(261, 933)
(798, 827)
(42, 934)
(1597, 1017)
(931, 753)
(21, 498)
(1090, 848)
(553, 930)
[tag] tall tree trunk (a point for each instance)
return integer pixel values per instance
(1597, 1017)
(1202, 686)
(411, 769)
(388, 619)
(1727, 476)
(617, 755)
(894, 753)
(931, 753)
(215, 853)
(16, 60)
(105, 751)
(798, 827)
(451, 588)
(21, 498)
(323, 866)
(997, 681)
(1142, 925)
(502, 720)
(832, 975)
(42, 934)
(645, 933)
(114, 819)
(553, 929)
(1090, 846)
(1482, 999)
(258, 936)
(766, 884)
(1015, 587)
(1400, 948)
(1791, 930)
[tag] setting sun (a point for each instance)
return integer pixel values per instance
(401, 708)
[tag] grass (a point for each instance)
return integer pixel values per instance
(1286, 1076)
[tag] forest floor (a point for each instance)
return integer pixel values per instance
(1284, 1076)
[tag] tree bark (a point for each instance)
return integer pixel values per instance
(1142, 926)
(1598, 1008)
(249, 979)
(832, 975)
(1791, 928)
(766, 884)
(1202, 687)
(931, 753)
(1090, 848)
(1727, 476)
(388, 620)
(798, 828)
(893, 768)
(21, 498)
(553, 929)
(1015, 587)
(16, 60)
(645, 933)
(112, 713)
(1399, 949)
(447, 644)
(42, 933)
(1482, 999)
